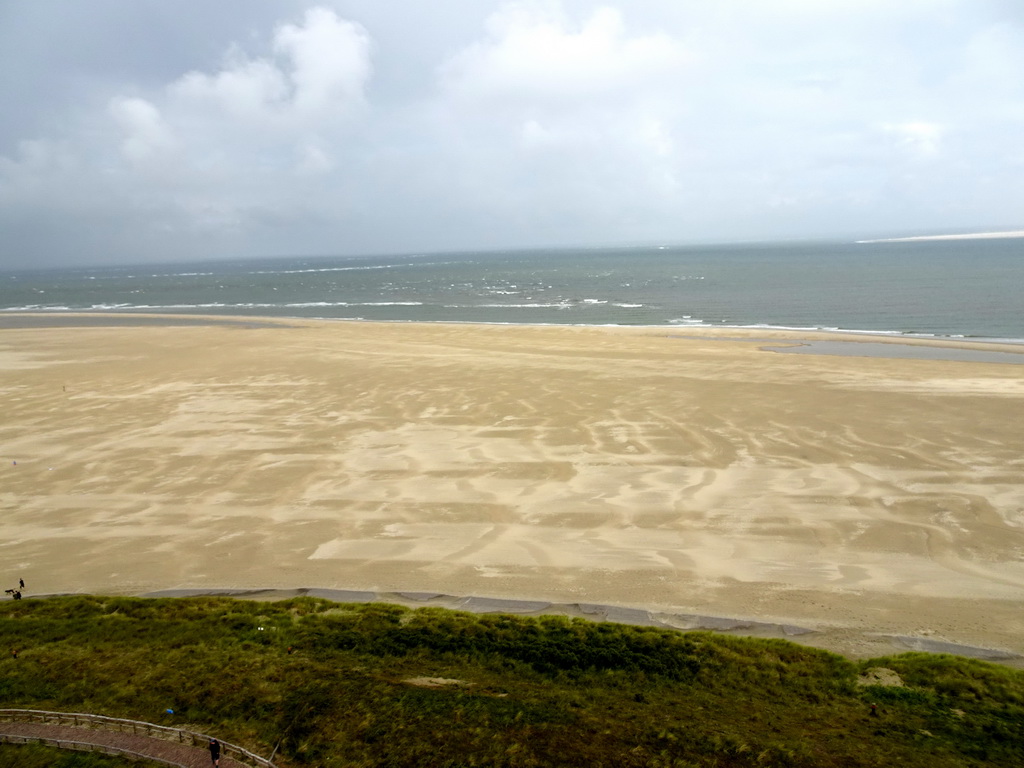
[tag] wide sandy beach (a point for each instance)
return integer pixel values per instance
(686, 472)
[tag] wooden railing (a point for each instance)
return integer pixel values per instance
(135, 727)
(84, 746)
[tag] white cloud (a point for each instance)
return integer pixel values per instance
(329, 60)
(243, 90)
(656, 136)
(535, 53)
(920, 138)
(535, 122)
(209, 158)
(321, 68)
(224, 131)
(535, 135)
(562, 114)
(994, 51)
(315, 158)
(40, 165)
(146, 135)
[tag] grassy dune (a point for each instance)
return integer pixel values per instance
(36, 756)
(382, 685)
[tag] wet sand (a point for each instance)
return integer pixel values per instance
(688, 477)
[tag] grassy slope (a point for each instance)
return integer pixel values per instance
(538, 691)
(35, 756)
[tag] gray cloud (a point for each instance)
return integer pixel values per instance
(247, 129)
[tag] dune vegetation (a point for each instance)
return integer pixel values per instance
(326, 684)
(36, 756)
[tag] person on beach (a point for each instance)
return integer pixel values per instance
(21, 583)
(215, 752)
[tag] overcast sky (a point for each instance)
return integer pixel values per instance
(146, 130)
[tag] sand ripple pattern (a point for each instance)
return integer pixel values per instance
(622, 466)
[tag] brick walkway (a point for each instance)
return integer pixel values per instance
(157, 749)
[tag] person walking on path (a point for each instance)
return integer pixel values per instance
(215, 753)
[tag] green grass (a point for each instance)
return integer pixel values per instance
(36, 756)
(545, 691)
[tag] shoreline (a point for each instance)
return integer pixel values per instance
(686, 475)
(18, 319)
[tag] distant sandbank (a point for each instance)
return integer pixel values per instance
(869, 499)
(961, 236)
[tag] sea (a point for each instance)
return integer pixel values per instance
(944, 288)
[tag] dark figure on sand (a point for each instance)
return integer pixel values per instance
(21, 583)
(215, 752)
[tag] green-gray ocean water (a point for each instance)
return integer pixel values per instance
(967, 288)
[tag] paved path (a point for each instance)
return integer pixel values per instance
(158, 749)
